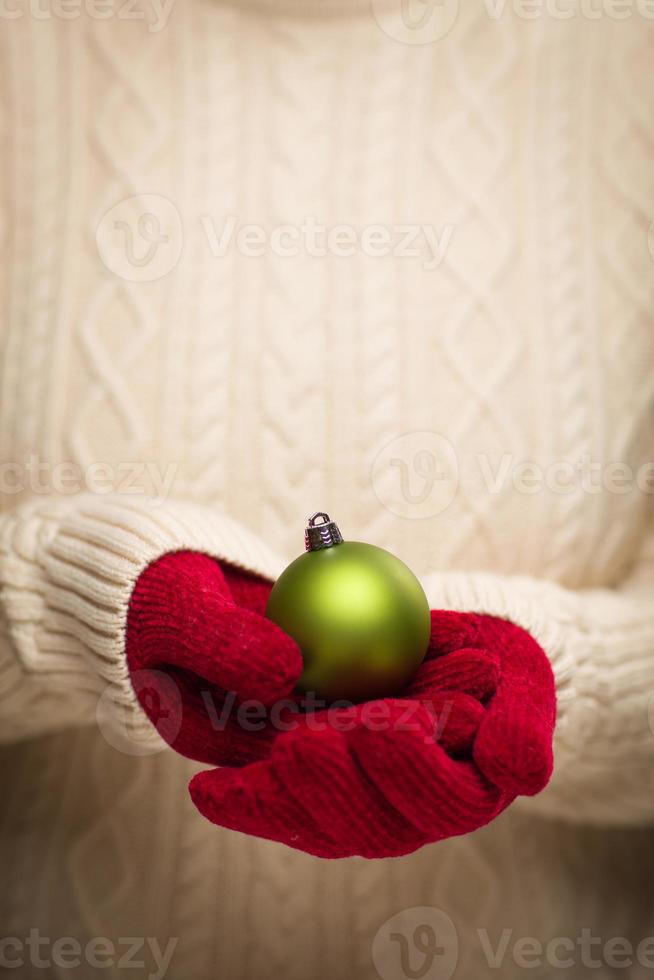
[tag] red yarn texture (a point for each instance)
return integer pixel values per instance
(470, 733)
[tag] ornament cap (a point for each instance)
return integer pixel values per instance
(321, 532)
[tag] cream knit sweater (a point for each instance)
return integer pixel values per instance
(260, 386)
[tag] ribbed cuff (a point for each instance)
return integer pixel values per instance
(601, 647)
(542, 608)
(92, 564)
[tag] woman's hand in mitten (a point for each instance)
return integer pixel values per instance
(198, 646)
(472, 731)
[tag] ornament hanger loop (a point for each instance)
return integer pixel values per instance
(313, 520)
(321, 532)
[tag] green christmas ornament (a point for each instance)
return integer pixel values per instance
(358, 614)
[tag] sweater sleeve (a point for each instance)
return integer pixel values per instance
(601, 646)
(68, 567)
(67, 570)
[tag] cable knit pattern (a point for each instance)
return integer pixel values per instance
(258, 389)
(562, 181)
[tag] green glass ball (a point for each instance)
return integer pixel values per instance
(359, 616)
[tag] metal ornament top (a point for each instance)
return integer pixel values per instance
(321, 532)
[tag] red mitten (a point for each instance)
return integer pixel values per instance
(197, 647)
(472, 731)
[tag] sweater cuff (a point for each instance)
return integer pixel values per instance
(92, 564)
(600, 644)
(544, 609)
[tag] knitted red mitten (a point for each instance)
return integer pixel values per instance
(198, 646)
(472, 731)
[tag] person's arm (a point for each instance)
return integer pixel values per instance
(68, 567)
(601, 646)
